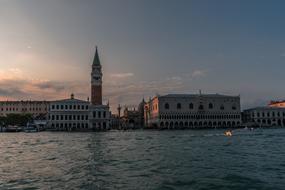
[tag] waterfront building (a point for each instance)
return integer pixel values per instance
(133, 117)
(99, 115)
(75, 114)
(264, 116)
(69, 115)
(115, 121)
(278, 104)
(193, 111)
(35, 108)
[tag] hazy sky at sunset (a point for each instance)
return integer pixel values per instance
(146, 47)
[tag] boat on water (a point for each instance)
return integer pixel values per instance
(31, 128)
(228, 133)
(12, 128)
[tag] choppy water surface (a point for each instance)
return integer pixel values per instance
(189, 159)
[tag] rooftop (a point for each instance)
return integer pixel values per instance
(196, 95)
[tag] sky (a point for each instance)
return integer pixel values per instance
(146, 47)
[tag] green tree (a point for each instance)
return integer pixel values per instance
(18, 119)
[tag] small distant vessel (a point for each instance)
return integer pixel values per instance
(31, 128)
(228, 133)
(12, 128)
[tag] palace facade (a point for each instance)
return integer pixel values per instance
(69, 115)
(35, 108)
(264, 116)
(193, 111)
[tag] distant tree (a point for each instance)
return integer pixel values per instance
(2, 120)
(18, 119)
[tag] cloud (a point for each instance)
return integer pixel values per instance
(121, 75)
(198, 73)
(282, 55)
(56, 86)
(11, 92)
(19, 89)
(132, 93)
(11, 74)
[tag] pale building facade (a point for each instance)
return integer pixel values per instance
(99, 117)
(193, 111)
(36, 108)
(69, 115)
(264, 116)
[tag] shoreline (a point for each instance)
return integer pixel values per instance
(149, 129)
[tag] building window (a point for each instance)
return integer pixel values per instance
(178, 106)
(166, 106)
(57, 107)
(104, 114)
(61, 107)
(52, 107)
(86, 107)
(201, 107)
(66, 107)
(99, 114)
(211, 106)
(234, 107)
(94, 114)
(191, 106)
(222, 107)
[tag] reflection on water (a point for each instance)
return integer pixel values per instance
(190, 159)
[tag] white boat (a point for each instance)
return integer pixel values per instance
(228, 133)
(12, 128)
(31, 128)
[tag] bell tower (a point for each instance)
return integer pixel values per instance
(96, 81)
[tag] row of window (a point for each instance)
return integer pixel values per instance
(77, 125)
(69, 117)
(96, 114)
(199, 124)
(269, 114)
(70, 107)
(191, 106)
(23, 109)
(269, 121)
(199, 117)
(99, 114)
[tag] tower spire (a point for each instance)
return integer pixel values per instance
(96, 60)
(96, 80)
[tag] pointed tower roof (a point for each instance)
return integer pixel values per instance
(96, 60)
